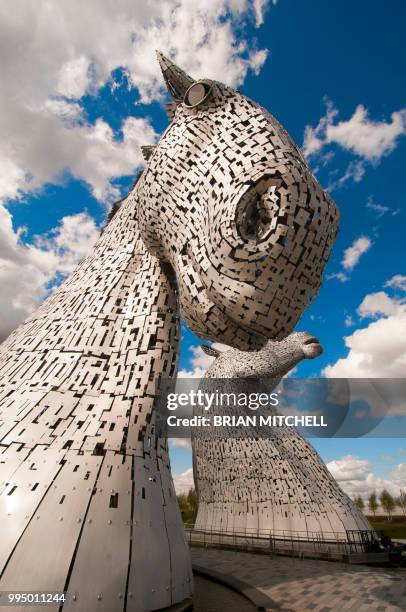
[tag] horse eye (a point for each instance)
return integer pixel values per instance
(197, 94)
(253, 222)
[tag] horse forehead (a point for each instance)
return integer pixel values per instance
(217, 150)
(221, 124)
(229, 141)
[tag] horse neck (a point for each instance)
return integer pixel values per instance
(104, 338)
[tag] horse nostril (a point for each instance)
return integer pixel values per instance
(311, 341)
(311, 348)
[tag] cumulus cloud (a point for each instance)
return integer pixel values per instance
(398, 281)
(361, 135)
(351, 258)
(183, 443)
(375, 351)
(352, 255)
(369, 140)
(356, 477)
(379, 303)
(55, 53)
(365, 137)
(259, 10)
(399, 475)
(184, 482)
(341, 276)
(349, 468)
(314, 138)
(74, 77)
(87, 152)
(379, 349)
(26, 270)
(199, 361)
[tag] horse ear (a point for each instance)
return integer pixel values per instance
(209, 350)
(177, 81)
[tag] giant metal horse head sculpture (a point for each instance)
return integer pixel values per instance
(241, 232)
(228, 201)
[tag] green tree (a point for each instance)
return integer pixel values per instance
(188, 505)
(192, 501)
(387, 502)
(402, 500)
(373, 503)
(359, 502)
(182, 501)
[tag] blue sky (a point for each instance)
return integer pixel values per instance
(80, 100)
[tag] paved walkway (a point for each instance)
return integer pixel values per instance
(320, 586)
(212, 597)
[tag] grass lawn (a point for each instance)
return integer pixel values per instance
(396, 528)
(188, 516)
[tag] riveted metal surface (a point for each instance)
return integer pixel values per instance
(101, 560)
(20, 499)
(150, 544)
(43, 555)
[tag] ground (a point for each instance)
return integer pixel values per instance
(305, 584)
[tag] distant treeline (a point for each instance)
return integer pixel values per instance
(384, 501)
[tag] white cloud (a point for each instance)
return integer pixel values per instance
(184, 482)
(361, 135)
(257, 60)
(367, 139)
(399, 475)
(314, 138)
(397, 282)
(353, 253)
(70, 241)
(351, 257)
(74, 78)
(70, 112)
(355, 171)
(88, 152)
(349, 468)
(356, 477)
(27, 269)
(200, 362)
(375, 351)
(378, 209)
(341, 276)
(259, 9)
(183, 443)
(379, 303)
(54, 53)
(379, 349)
(348, 321)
